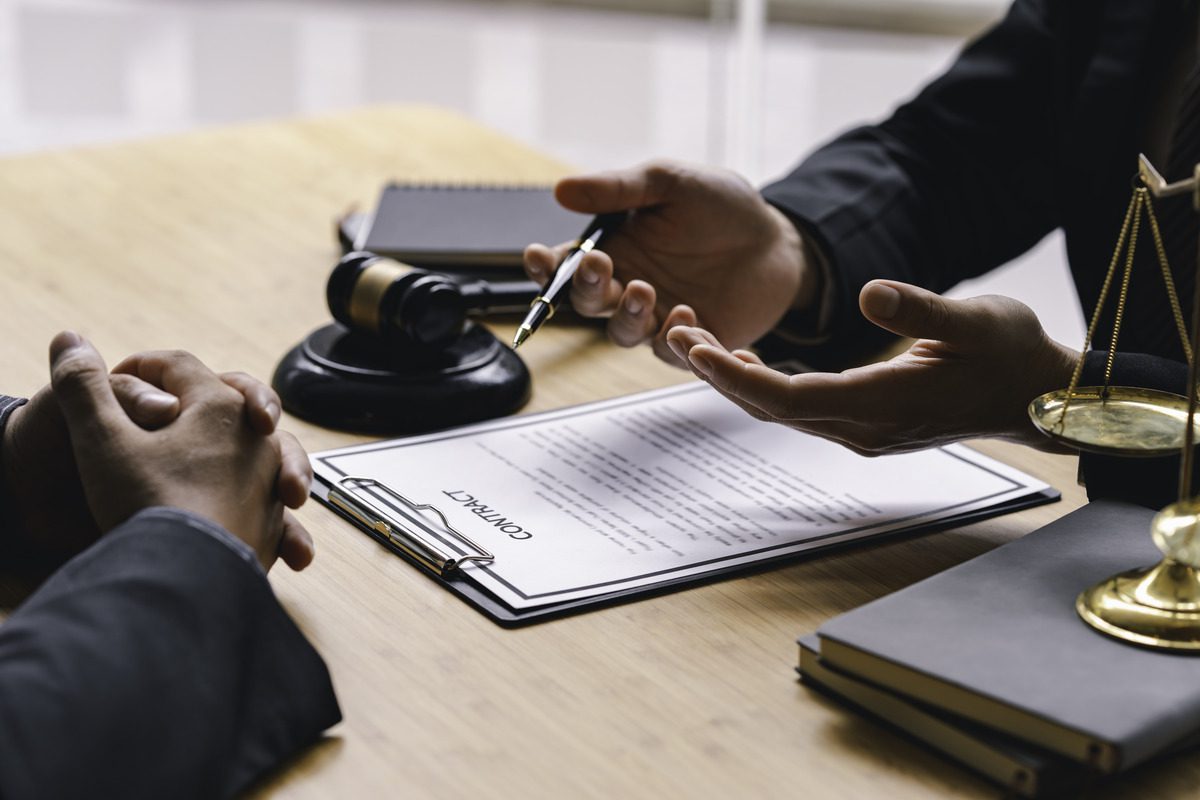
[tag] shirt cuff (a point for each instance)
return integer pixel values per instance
(206, 526)
(7, 406)
(810, 326)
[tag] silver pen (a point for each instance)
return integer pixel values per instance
(543, 306)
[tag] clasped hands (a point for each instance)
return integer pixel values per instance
(93, 448)
(704, 267)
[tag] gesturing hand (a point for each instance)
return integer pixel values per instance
(208, 460)
(972, 373)
(701, 248)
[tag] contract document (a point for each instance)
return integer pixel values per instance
(620, 497)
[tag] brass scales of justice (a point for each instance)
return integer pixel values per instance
(1156, 606)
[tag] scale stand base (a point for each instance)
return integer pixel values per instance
(1156, 607)
(340, 379)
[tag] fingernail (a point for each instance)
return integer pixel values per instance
(701, 363)
(678, 350)
(273, 411)
(883, 301)
(633, 306)
(589, 276)
(70, 339)
(156, 401)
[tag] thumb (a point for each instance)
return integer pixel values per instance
(915, 312)
(81, 385)
(617, 190)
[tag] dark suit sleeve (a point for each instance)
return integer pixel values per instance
(7, 406)
(952, 185)
(158, 663)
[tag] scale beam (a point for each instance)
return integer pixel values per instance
(1158, 185)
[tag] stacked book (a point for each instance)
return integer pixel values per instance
(989, 664)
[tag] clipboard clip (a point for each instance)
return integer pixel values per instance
(406, 528)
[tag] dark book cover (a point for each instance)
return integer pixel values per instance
(997, 640)
(451, 226)
(1021, 768)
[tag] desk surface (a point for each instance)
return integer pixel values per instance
(220, 242)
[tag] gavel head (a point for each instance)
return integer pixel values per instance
(397, 302)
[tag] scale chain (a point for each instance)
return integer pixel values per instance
(1133, 237)
(1135, 203)
(1172, 295)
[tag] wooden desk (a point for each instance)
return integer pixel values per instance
(220, 242)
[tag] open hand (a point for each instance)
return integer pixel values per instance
(701, 248)
(972, 373)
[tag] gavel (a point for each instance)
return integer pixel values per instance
(407, 306)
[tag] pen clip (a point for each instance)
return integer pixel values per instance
(413, 534)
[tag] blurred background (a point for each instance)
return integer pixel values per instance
(748, 84)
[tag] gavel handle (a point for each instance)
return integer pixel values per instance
(498, 297)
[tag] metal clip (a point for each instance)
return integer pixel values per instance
(403, 525)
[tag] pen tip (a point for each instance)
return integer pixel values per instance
(520, 337)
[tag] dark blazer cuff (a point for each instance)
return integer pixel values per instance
(206, 526)
(1150, 482)
(836, 230)
(156, 663)
(7, 406)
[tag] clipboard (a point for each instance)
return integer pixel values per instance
(420, 534)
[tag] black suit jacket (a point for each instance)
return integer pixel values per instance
(158, 663)
(1036, 126)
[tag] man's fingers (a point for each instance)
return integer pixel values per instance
(618, 190)
(296, 546)
(633, 322)
(175, 371)
(689, 336)
(539, 262)
(262, 404)
(681, 338)
(914, 312)
(807, 396)
(749, 357)
(673, 353)
(295, 472)
(147, 405)
(594, 291)
(81, 384)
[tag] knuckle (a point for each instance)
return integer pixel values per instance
(588, 301)
(225, 404)
(123, 384)
(660, 168)
(936, 313)
(622, 333)
(661, 176)
(177, 356)
(74, 370)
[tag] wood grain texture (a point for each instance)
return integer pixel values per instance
(220, 242)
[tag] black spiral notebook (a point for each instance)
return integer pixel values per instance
(465, 227)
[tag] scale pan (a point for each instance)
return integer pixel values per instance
(1129, 421)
